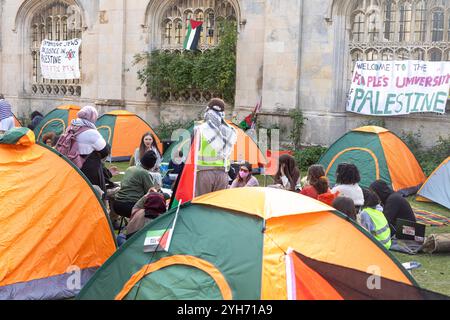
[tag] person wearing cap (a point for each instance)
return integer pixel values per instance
(6, 116)
(216, 142)
(135, 184)
(148, 208)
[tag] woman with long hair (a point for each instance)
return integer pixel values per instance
(315, 172)
(245, 178)
(148, 143)
(288, 174)
(323, 190)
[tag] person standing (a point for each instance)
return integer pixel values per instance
(91, 147)
(6, 115)
(216, 142)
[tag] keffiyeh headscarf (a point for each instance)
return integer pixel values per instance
(220, 136)
(87, 117)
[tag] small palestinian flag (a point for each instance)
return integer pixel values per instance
(193, 35)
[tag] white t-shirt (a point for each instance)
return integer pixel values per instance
(7, 124)
(352, 191)
(90, 141)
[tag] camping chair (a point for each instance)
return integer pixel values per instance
(113, 216)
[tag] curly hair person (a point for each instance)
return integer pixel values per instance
(347, 173)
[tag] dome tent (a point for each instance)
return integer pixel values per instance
(437, 187)
(227, 247)
(53, 223)
(123, 131)
(57, 121)
(378, 154)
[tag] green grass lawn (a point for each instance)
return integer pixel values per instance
(434, 274)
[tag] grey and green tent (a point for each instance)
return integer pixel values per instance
(437, 187)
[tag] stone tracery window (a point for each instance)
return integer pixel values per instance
(401, 24)
(211, 12)
(399, 30)
(53, 22)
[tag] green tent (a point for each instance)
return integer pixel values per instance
(378, 154)
(56, 121)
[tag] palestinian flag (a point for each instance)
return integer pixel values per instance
(193, 35)
(184, 190)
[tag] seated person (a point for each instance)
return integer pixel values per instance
(49, 139)
(315, 172)
(176, 166)
(346, 206)
(347, 183)
(374, 220)
(324, 194)
(288, 175)
(394, 205)
(245, 178)
(148, 208)
(135, 184)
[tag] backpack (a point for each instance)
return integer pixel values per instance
(68, 146)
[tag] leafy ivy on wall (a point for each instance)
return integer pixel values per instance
(213, 70)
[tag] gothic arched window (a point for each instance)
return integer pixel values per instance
(399, 30)
(55, 21)
(178, 13)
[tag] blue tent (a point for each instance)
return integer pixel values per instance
(437, 187)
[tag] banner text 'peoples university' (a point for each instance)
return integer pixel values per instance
(389, 88)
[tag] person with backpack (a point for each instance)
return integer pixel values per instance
(85, 146)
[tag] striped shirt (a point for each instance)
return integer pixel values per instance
(5, 110)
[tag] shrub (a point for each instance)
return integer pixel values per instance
(213, 70)
(429, 159)
(309, 156)
(165, 129)
(298, 123)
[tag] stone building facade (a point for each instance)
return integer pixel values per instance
(291, 53)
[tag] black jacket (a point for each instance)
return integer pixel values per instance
(394, 205)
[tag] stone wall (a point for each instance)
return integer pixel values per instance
(292, 53)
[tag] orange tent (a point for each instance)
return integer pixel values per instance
(17, 123)
(233, 244)
(123, 131)
(54, 232)
(379, 154)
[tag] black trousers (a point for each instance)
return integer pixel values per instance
(123, 208)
